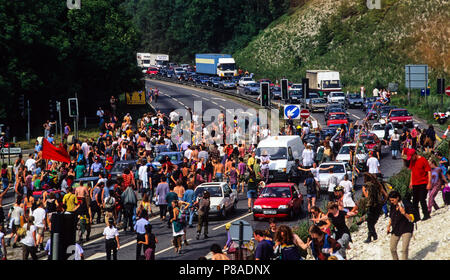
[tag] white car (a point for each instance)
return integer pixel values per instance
(378, 129)
(339, 170)
(362, 154)
(336, 97)
(223, 198)
(245, 81)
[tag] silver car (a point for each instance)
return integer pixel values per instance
(223, 198)
(339, 170)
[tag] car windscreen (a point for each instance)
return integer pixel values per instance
(161, 158)
(377, 127)
(368, 139)
(354, 96)
(337, 168)
(275, 153)
(338, 94)
(214, 191)
(120, 167)
(318, 101)
(275, 192)
(399, 113)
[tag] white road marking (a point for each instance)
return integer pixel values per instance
(101, 255)
(219, 99)
(356, 116)
(215, 103)
(237, 219)
(195, 95)
(167, 249)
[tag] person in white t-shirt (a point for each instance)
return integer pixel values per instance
(308, 156)
(29, 242)
(111, 240)
(188, 152)
(31, 163)
(39, 221)
(373, 164)
(347, 200)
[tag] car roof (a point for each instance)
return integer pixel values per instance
(276, 185)
(333, 163)
(276, 141)
(337, 113)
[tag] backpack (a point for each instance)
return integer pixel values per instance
(109, 203)
(310, 186)
(319, 154)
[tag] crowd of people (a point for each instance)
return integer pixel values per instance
(45, 187)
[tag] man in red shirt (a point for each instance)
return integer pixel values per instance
(420, 181)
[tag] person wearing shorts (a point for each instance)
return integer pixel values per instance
(252, 192)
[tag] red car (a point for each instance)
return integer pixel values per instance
(400, 117)
(371, 142)
(152, 71)
(337, 118)
(278, 200)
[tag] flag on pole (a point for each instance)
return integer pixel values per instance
(51, 152)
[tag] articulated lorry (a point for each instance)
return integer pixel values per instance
(323, 81)
(222, 65)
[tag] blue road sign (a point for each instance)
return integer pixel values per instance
(292, 111)
(422, 92)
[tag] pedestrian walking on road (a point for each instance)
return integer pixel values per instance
(139, 227)
(149, 243)
(203, 212)
(111, 240)
(29, 242)
(376, 196)
(400, 225)
(177, 227)
(161, 191)
(420, 181)
(438, 181)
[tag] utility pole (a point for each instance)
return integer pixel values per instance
(58, 108)
(28, 110)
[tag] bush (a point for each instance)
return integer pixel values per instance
(400, 182)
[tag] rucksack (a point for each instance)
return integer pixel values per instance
(109, 203)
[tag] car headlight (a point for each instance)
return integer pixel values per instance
(283, 207)
(257, 207)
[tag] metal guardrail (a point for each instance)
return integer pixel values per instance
(223, 91)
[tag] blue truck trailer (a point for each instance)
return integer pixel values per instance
(222, 65)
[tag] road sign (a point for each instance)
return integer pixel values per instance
(135, 98)
(422, 92)
(416, 76)
(241, 231)
(292, 111)
(304, 114)
(11, 151)
(447, 91)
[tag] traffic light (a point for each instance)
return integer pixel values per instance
(22, 105)
(284, 89)
(440, 86)
(51, 109)
(305, 88)
(73, 107)
(265, 94)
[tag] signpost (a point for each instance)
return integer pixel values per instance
(10, 151)
(135, 98)
(304, 114)
(73, 112)
(292, 111)
(241, 231)
(416, 76)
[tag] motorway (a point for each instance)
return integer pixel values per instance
(173, 96)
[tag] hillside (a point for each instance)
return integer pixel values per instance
(368, 47)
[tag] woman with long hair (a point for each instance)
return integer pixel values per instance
(149, 243)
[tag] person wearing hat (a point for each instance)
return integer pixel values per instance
(394, 142)
(420, 181)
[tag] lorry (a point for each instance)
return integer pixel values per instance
(143, 61)
(323, 81)
(222, 65)
(158, 60)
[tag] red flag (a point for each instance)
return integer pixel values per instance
(51, 152)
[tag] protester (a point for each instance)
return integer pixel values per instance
(111, 240)
(420, 181)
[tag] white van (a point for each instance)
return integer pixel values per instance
(283, 151)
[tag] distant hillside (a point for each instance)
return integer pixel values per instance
(368, 47)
